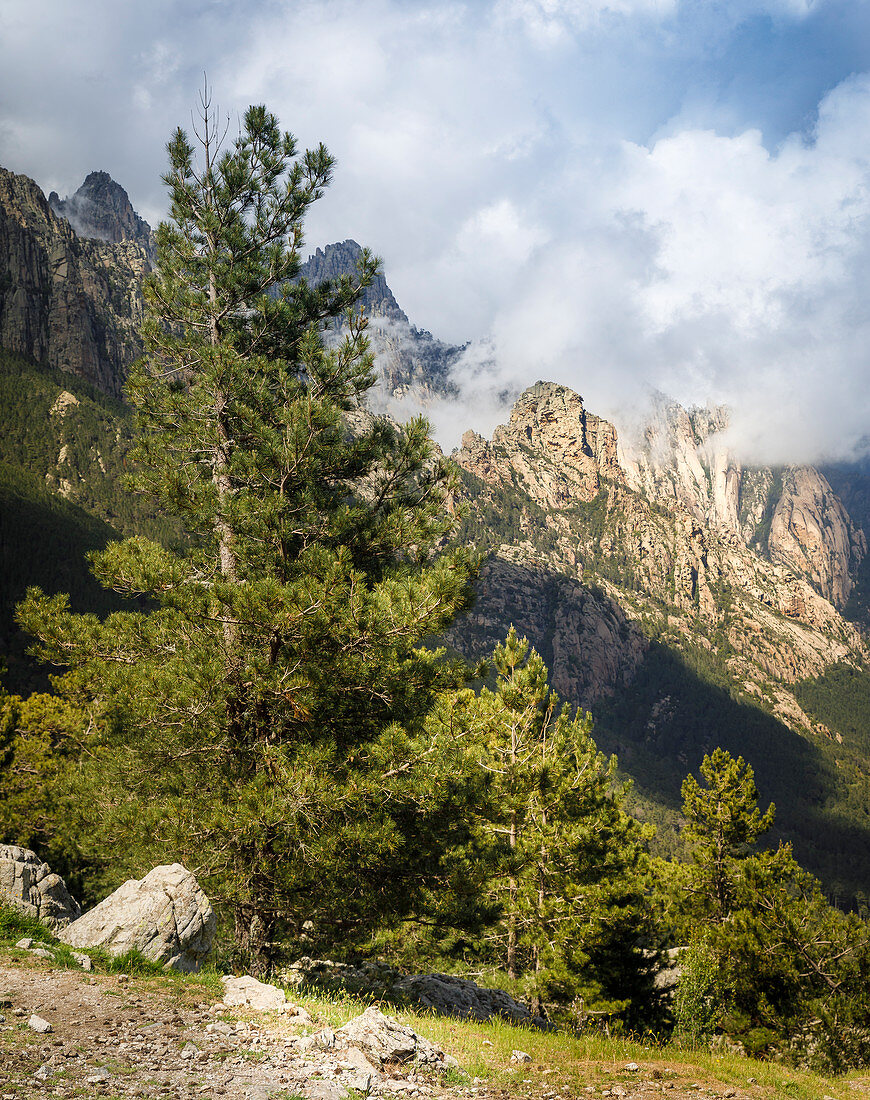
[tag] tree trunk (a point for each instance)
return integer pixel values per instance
(254, 940)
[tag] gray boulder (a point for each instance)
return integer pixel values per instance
(249, 992)
(448, 995)
(164, 915)
(383, 1039)
(30, 886)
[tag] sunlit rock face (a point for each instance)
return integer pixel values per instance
(592, 542)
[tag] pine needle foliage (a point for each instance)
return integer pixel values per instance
(262, 720)
(566, 863)
(770, 963)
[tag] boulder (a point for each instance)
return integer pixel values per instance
(448, 995)
(383, 1039)
(444, 994)
(30, 886)
(164, 915)
(253, 994)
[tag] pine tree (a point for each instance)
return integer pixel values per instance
(723, 823)
(771, 963)
(569, 863)
(262, 718)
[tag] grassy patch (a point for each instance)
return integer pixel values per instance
(567, 1064)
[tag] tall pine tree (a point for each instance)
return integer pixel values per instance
(262, 719)
(567, 863)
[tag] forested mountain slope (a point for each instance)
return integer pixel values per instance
(688, 600)
(62, 459)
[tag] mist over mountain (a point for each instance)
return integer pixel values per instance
(101, 209)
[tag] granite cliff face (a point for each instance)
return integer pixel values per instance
(790, 515)
(70, 290)
(594, 551)
(66, 301)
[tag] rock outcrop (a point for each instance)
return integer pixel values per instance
(448, 995)
(384, 1039)
(247, 991)
(66, 301)
(682, 459)
(410, 361)
(164, 915)
(443, 994)
(812, 534)
(30, 886)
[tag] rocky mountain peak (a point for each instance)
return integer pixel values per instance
(341, 259)
(101, 209)
(549, 423)
(411, 361)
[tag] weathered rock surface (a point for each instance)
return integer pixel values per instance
(70, 302)
(101, 209)
(385, 1039)
(164, 915)
(29, 885)
(588, 542)
(448, 995)
(409, 360)
(445, 994)
(260, 996)
(682, 458)
(812, 534)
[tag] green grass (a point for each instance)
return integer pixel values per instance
(569, 1063)
(15, 926)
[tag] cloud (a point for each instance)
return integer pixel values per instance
(714, 270)
(596, 190)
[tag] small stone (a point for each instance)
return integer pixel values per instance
(189, 1050)
(98, 1076)
(325, 1038)
(632, 1067)
(25, 944)
(83, 960)
(36, 1023)
(41, 953)
(520, 1056)
(123, 979)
